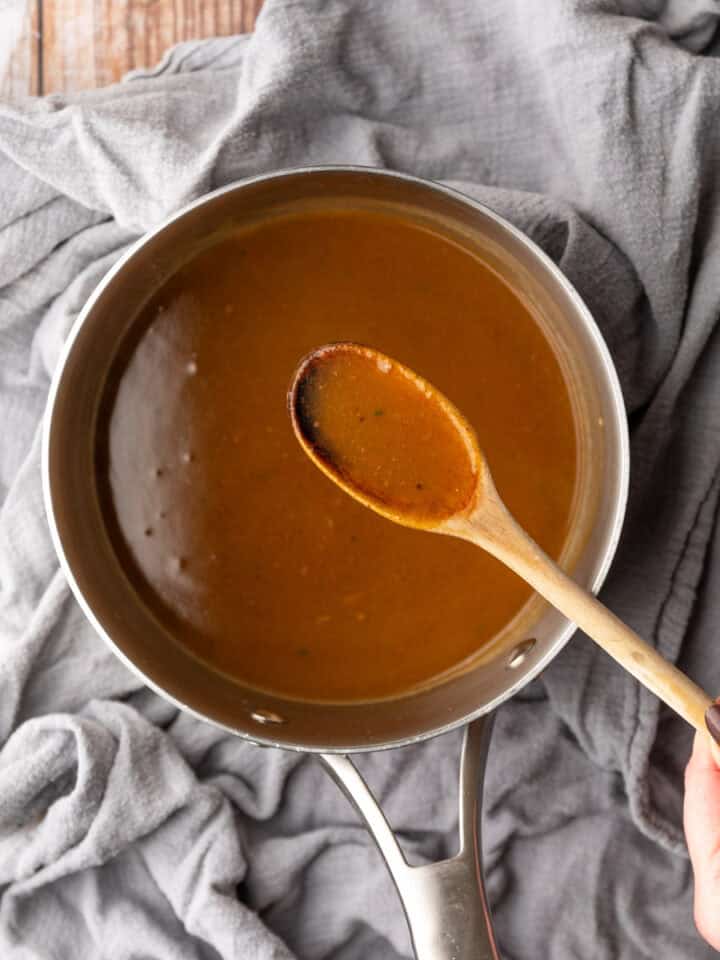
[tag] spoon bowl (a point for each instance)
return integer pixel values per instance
(386, 436)
(399, 446)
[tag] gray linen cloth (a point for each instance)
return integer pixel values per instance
(129, 830)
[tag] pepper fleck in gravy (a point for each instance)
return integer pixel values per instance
(247, 554)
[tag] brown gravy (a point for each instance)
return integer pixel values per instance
(240, 547)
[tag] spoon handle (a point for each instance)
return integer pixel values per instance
(497, 532)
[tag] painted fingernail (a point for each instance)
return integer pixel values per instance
(712, 721)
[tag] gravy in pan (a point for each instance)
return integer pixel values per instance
(241, 548)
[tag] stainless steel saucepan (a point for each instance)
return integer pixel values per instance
(444, 902)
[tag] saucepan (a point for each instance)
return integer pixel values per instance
(444, 902)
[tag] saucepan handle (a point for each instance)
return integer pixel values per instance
(444, 902)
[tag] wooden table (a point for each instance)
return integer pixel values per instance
(65, 45)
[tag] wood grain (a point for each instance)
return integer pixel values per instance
(19, 48)
(68, 45)
(90, 43)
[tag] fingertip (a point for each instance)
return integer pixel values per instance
(705, 753)
(712, 721)
(702, 805)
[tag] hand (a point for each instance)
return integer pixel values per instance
(702, 831)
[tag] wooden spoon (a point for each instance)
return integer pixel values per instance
(399, 446)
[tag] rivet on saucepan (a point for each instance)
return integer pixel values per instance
(519, 654)
(266, 717)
